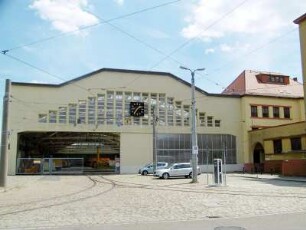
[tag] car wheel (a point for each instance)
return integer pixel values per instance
(190, 175)
(165, 176)
(145, 173)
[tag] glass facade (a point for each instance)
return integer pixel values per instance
(177, 148)
(113, 108)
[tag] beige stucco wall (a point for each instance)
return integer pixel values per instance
(28, 101)
(302, 29)
(296, 112)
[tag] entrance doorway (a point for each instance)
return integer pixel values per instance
(258, 157)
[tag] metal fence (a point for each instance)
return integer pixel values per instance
(38, 166)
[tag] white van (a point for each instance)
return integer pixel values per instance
(176, 170)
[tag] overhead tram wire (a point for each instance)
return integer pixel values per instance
(247, 54)
(258, 48)
(93, 25)
(43, 71)
(197, 36)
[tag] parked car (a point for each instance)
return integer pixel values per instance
(148, 169)
(176, 170)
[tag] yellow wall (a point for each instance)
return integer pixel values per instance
(302, 29)
(285, 132)
(296, 113)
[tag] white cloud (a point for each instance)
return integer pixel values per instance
(260, 17)
(226, 48)
(234, 47)
(209, 51)
(65, 15)
(119, 2)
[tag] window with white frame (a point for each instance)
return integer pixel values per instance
(170, 112)
(72, 109)
(178, 113)
(119, 108)
(127, 101)
(101, 109)
(42, 118)
(91, 110)
(162, 109)
(186, 114)
(209, 121)
(62, 115)
(145, 99)
(202, 119)
(82, 112)
(110, 108)
(52, 116)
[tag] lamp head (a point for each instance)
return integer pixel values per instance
(182, 67)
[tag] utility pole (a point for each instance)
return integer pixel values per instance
(154, 140)
(194, 138)
(224, 162)
(4, 137)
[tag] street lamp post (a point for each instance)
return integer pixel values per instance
(193, 128)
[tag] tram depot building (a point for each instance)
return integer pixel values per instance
(103, 122)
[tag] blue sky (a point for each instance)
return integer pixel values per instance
(223, 36)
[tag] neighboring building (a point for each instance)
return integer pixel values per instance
(301, 21)
(284, 148)
(267, 100)
(96, 120)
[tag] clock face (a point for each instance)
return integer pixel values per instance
(137, 109)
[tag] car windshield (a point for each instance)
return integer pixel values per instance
(169, 166)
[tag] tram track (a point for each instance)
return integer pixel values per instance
(59, 203)
(103, 180)
(208, 190)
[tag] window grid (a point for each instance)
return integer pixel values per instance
(136, 97)
(254, 112)
(119, 108)
(72, 113)
(114, 108)
(286, 112)
(209, 121)
(265, 111)
(275, 111)
(170, 111)
(110, 108)
(217, 123)
(62, 115)
(82, 112)
(202, 119)
(91, 110)
(145, 99)
(101, 109)
(162, 110)
(42, 118)
(154, 106)
(186, 109)
(127, 99)
(52, 116)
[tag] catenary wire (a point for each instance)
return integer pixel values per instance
(199, 34)
(93, 25)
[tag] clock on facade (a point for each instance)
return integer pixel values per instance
(137, 109)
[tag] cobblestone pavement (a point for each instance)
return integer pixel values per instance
(58, 201)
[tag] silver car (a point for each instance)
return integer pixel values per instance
(176, 170)
(148, 169)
